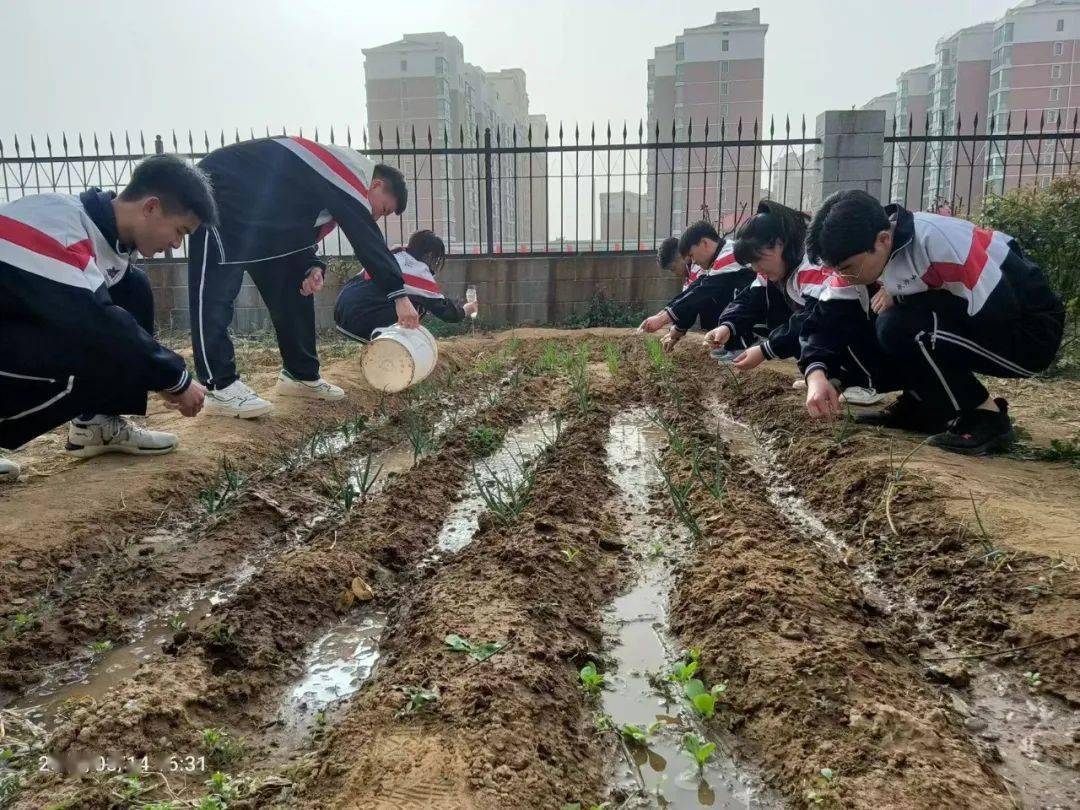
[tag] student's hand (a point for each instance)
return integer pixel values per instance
(668, 341)
(881, 301)
(189, 403)
(750, 359)
(313, 281)
(718, 337)
(655, 323)
(407, 315)
(822, 398)
(471, 307)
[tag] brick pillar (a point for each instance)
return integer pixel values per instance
(851, 151)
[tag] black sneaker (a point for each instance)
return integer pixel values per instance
(906, 413)
(978, 432)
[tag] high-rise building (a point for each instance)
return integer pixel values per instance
(715, 74)
(959, 87)
(909, 160)
(621, 220)
(1034, 84)
(794, 180)
(422, 86)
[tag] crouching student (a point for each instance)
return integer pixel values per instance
(959, 300)
(362, 307)
(787, 288)
(723, 279)
(77, 320)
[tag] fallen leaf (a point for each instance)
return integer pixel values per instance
(361, 590)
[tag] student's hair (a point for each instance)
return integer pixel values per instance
(695, 233)
(181, 187)
(427, 247)
(772, 223)
(396, 180)
(847, 223)
(669, 249)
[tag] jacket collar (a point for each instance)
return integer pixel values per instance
(904, 230)
(98, 206)
(719, 249)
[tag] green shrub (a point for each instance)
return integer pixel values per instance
(602, 311)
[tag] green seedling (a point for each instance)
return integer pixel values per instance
(603, 722)
(571, 554)
(129, 786)
(9, 788)
(419, 700)
(421, 435)
(656, 549)
(846, 429)
(580, 806)
(364, 478)
(221, 786)
(484, 440)
(320, 719)
(215, 498)
(676, 442)
(591, 680)
(211, 803)
(159, 806)
(698, 749)
(817, 794)
(99, 648)
(634, 734)
(220, 748)
(702, 700)
(680, 500)
(556, 423)
(481, 652)
(685, 668)
(177, 623)
(660, 362)
(1034, 680)
(711, 476)
(21, 621)
(612, 358)
(505, 495)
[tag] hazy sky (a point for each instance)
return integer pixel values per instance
(129, 64)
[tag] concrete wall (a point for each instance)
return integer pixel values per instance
(851, 150)
(511, 291)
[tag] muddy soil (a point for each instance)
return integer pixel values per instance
(894, 627)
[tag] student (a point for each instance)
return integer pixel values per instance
(278, 198)
(361, 306)
(787, 289)
(711, 292)
(957, 300)
(680, 266)
(77, 319)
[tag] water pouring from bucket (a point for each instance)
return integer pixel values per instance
(398, 358)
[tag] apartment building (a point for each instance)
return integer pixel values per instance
(909, 160)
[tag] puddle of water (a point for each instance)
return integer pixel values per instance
(520, 447)
(194, 609)
(658, 773)
(1018, 723)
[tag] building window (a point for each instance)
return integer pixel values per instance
(725, 111)
(1059, 48)
(680, 69)
(680, 52)
(725, 69)
(1055, 94)
(1055, 71)
(404, 65)
(725, 88)
(724, 44)
(1061, 25)
(440, 66)
(1051, 116)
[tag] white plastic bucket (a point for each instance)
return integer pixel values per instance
(397, 358)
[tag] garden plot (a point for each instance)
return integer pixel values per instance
(570, 571)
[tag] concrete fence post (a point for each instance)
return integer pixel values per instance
(851, 153)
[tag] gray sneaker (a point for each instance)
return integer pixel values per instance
(115, 434)
(9, 470)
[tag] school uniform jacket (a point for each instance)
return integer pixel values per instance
(946, 263)
(800, 292)
(361, 305)
(58, 326)
(278, 197)
(724, 279)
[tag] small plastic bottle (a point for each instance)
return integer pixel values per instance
(470, 297)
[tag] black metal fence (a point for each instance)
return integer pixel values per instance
(947, 166)
(523, 191)
(517, 191)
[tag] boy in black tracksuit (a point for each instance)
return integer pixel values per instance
(76, 319)
(361, 308)
(278, 198)
(956, 300)
(724, 278)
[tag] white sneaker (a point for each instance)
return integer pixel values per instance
(288, 386)
(798, 384)
(857, 395)
(236, 400)
(9, 470)
(115, 434)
